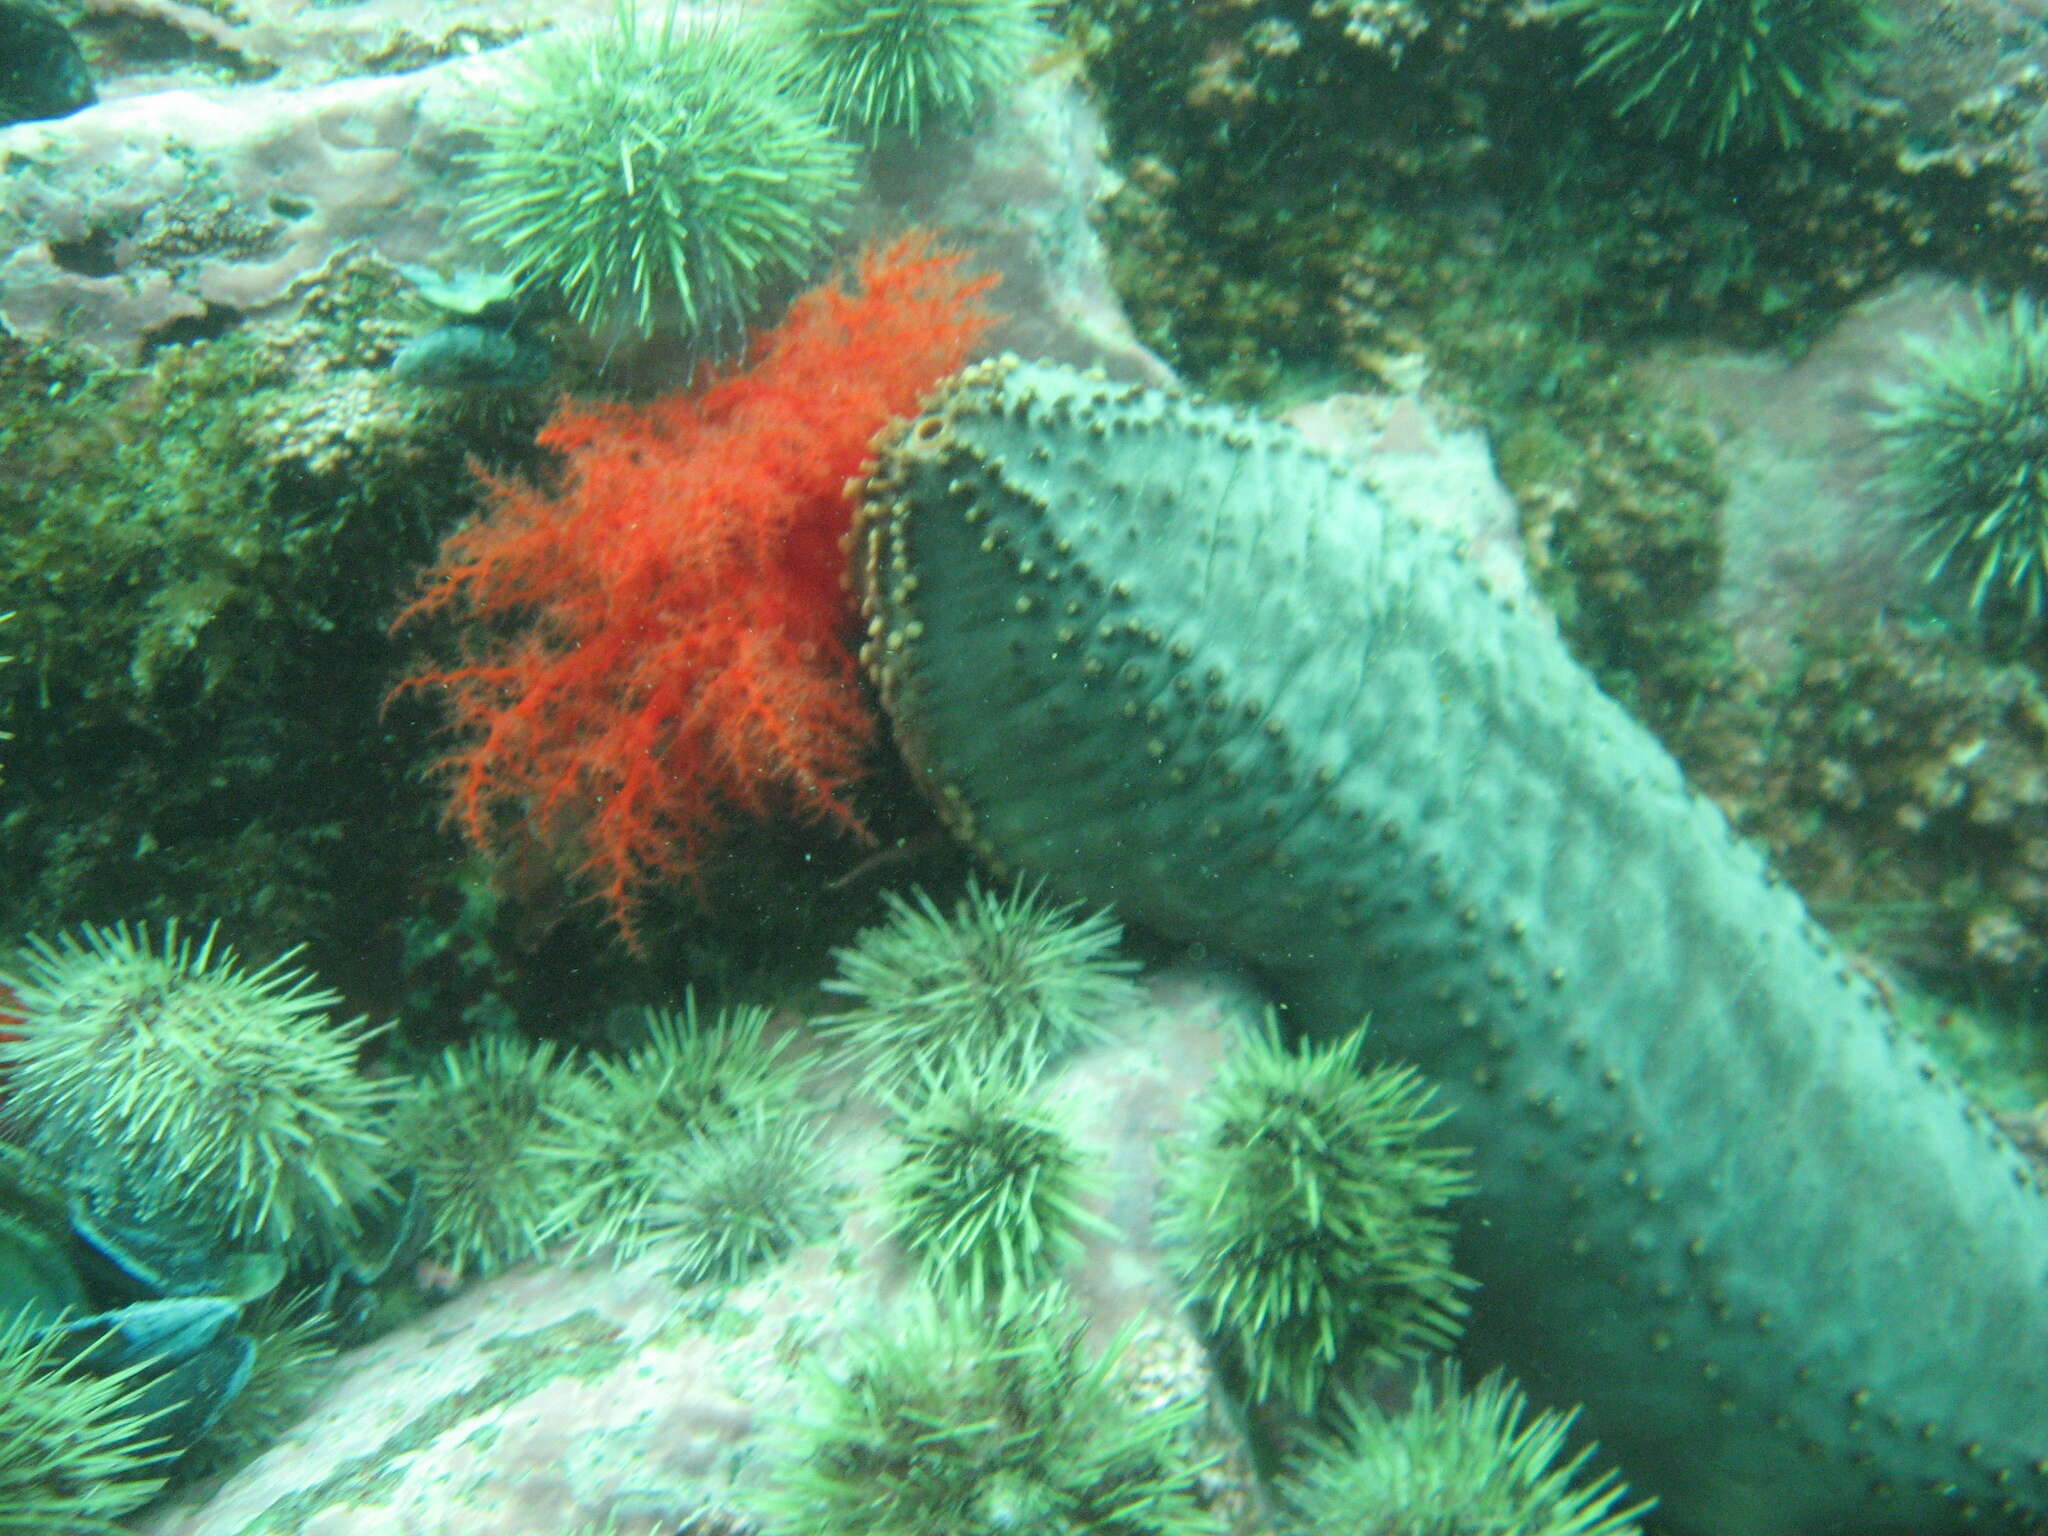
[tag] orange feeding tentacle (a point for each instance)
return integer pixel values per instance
(678, 638)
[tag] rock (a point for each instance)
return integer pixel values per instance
(144, 47)
(1813, 538)
(221, 206)
(183, 211)
(1017, 192)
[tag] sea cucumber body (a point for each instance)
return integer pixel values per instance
(1177, 661)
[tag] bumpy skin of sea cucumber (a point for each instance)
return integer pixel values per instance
(1177, 661)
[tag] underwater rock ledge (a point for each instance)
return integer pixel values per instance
(1177, 661)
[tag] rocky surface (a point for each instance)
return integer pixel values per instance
(143, 47)
(162, 214)
(1812, 536)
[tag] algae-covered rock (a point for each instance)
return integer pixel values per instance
(1174, 660)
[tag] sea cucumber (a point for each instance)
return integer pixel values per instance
(1175, 660)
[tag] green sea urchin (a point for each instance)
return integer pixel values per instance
(1007, 983)
(231, 1089)
(734, 1197)
(1967, 439)
(471, 1130)
(961, 1424)
(614, 1133)
(895, 66)
(1457, 1463)
(75, 1448)
(987, 1190)
(663, 179)
(1305, 1216)
(1726, 73)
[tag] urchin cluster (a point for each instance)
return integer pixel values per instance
(1726, 73)
(75, 1449)
(987, 1188)
(1003, 985)
(1967, 441)
(615, 1132)
(974, 1424)
(664, 179)
(1305, 1214)
(233, 1089)
(472, 1132)
(1456, 1463)
(889, 67)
